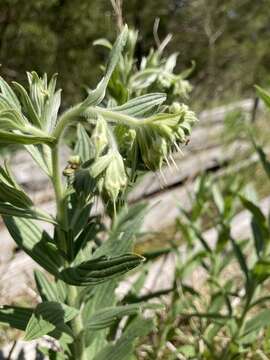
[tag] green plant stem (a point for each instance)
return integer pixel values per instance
(66, 119)
(59, 198)
(77, 326)
(77, 347)
(121, 118)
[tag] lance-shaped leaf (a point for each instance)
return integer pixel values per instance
(47, 289)
(14, 316)
(96, 96)
(35, 242)
(27, 105)
(101, 269)
(27, 213)
(122, 349)
(254, 209)
(41, 154)
(142, 105)
(51, 110)
(45, 101)
(263, 158)
(107, 316)
(10, 191)
(12, 120)
(47, 317)
(9, 95)
(264, 95)
(23, 139)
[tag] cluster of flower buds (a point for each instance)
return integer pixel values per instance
(73, 165)
(108, 166)
(162, 134)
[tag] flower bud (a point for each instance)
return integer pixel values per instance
(74, 160)
(101, 164)
(100, 136)
(115, 176)
(131, 41)
(175, 108)
(68, 172)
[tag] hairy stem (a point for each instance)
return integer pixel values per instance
(77, 348)
(59, 198)
(65, 120)
(77, 327)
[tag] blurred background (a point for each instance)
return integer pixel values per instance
(228, 40)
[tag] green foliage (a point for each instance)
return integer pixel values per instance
(116, 141)
(223, 313)
(54, 36)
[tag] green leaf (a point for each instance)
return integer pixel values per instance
(12, 120)
(126, 226)
(38, 154)
(124, 229)
(10, 191)
(261, 269)
(100, 269)
(254, 209)
(122, 349)
(264, 95)
(14, 316)
(257, 322)
(27, 105)
(51, 109)
(12, 138)
(47, 317)
(218, 198)
(47, 289)
(9, 95)
(84, 147)
(260, 236)
(241, 259)
(259, 226)
(96, 96)
(88, 234)
(263, 158)
(189, 351)
(35, 242)
(31, 213)
(107, 316)
(142, 105)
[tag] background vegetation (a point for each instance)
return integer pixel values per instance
(227, 39)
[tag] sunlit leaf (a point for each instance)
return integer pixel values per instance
(47, 317)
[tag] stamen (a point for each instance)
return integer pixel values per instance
(174, 163)
(163, 177)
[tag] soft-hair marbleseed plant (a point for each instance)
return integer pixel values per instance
(115, 141)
